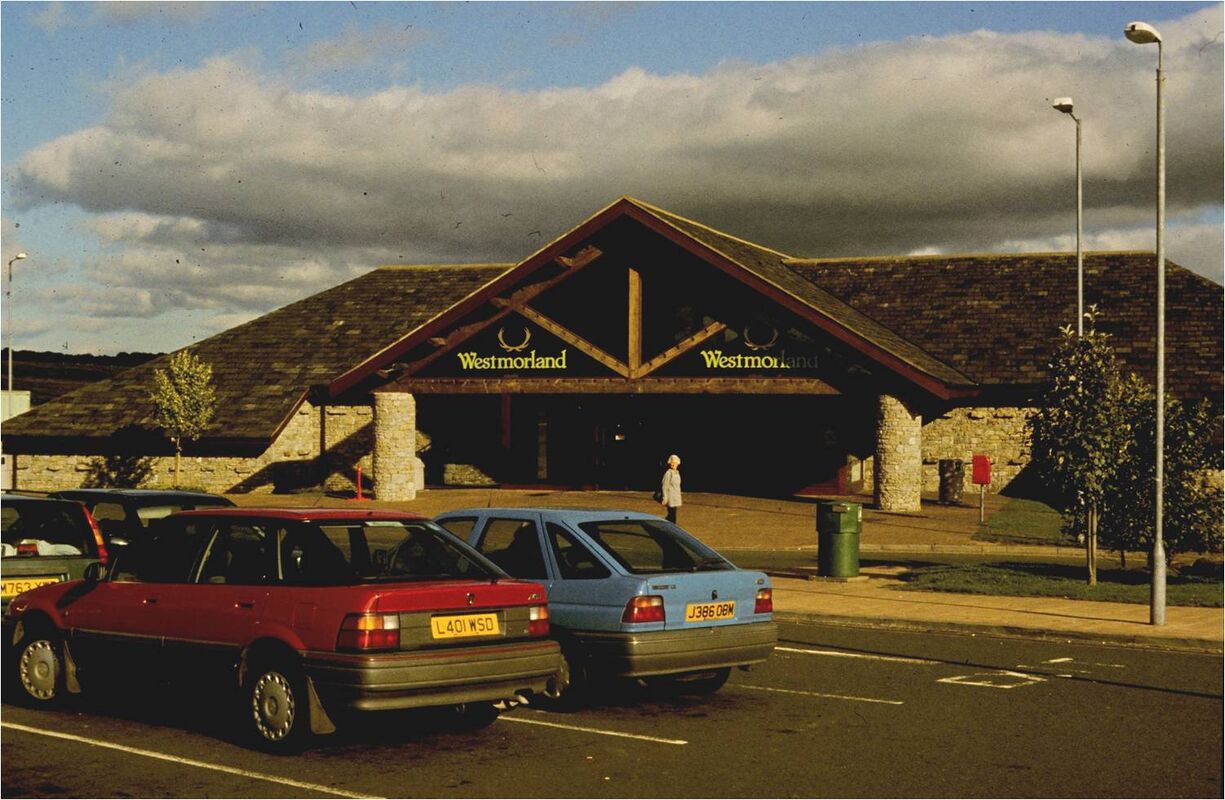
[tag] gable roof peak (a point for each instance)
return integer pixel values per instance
(668, 217)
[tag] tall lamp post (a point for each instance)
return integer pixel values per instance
(1064, 104)
(8, 315)
(1143, 33)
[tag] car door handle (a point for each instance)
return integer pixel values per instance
(245, 604)
(150, 601)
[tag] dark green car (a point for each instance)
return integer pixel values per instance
(44, 541)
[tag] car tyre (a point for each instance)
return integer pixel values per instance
(277, 706)
(700, 683)
(39, 667)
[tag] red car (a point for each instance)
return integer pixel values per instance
(309, 612)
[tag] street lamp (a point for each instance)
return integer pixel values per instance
(1064, 104)
(8, 296)
(1143, 33)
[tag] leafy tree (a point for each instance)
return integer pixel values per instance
(1192, 511)
(1081, 428)
(184, 400)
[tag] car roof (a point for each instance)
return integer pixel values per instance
(25, 498)
(303, 514)
(135, 493)
(558, 512)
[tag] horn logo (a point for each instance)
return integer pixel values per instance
(514, 348)
(752, 345)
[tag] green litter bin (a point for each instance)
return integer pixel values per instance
(838, 527)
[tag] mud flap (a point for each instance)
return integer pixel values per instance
(321, 723)
(70, 671)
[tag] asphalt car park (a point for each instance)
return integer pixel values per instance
(834, 712)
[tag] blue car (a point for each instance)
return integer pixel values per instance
(630, 594)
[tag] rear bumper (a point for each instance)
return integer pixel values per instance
(432, 678)
(635, 655)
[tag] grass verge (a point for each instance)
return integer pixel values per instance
(1024, 522)
(1027, 579)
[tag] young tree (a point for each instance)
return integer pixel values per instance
(1080, 429)
(1192, 511)
(184, 401)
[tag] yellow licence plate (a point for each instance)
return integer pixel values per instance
(464, 625)
(15, 586)
(702, 612)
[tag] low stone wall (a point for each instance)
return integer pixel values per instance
(342, 435)
(998, 433)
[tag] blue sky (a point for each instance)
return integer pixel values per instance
(175, 169)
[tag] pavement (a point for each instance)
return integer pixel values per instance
(874, 598)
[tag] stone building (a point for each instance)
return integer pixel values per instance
(637, 334)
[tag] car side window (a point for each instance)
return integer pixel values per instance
(460, 526)
(514, 546)
(240, 554)
(108, 511)
(574, 560)
(167, 557)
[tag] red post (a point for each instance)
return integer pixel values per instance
(359, 483)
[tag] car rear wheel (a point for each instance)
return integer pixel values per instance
(277, 706)
(40, 667)
(706, 682)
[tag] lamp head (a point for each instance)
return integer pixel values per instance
(1141, 33)
(1063, 104)
(20, 256)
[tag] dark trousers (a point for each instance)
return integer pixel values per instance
(672, 514)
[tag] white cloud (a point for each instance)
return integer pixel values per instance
(51, 18)
(227, 188)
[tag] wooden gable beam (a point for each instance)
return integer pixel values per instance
(505, 305)
(575, 340)
(678, 349)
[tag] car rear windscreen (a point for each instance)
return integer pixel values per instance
(46, 529)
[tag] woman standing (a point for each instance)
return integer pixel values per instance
(670, 485)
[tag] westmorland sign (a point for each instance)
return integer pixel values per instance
(514, 358)
(719, 360)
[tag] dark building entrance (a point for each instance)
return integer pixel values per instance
(751, 444)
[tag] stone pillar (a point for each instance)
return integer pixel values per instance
(899, 456)
(395, 445)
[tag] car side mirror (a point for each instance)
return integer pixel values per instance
(95, 573)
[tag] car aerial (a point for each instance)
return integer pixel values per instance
(311, 613)
(44, 541)
(126, 513)
(630, 595)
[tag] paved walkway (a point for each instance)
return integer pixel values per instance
(732, 522)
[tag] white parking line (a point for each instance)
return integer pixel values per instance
(841, 654)
(190, 762)
(599, 731)
(821, 694)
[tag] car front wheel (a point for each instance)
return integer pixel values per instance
(277, 707)
(40, 667)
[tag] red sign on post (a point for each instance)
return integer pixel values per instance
(982, 470)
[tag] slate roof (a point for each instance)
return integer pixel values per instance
(771, 266)
(997, 317)
(985, 320)
(263, 368)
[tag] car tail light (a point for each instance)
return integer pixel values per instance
(27, 548)
(646, 608)
(369, 632)
(538, 621)
(765, 602)
(98, 540)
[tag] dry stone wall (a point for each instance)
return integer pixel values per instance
(342, 435)
(998, 433)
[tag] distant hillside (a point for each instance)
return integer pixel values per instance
(49, 375)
